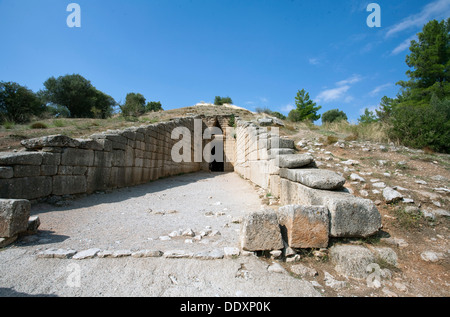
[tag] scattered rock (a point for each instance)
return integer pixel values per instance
(430, 256)
(230, 252)
(330, 281)
(87, 254)
(351, 260)
(357, 178)
(147, 254)
(276, 268)
(391, 195)
(121, 253)
(177, 254)
(56, 254)
(260, 232)
(303, 270)
(210, 255)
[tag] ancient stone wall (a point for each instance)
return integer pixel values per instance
(59, 165)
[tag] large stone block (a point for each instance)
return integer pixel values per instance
(20, 158)
(295, 160)
(26, 188)
(50, 141)
(98, 178)
(77, 157)
(304, 226)
(350, 216)
(14, 216)
(26, 170)
(6, 172)
(352, 260)
(69, 185)
(260, 232)
(314, 178)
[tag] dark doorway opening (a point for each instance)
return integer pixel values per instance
(216, 166)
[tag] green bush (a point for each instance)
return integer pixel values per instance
(219, 101)
(38, 126)
(153, 106)
(18, 103)
(334, 116)
(422, 125)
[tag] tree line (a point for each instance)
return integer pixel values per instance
(71, 96)
(419, 116)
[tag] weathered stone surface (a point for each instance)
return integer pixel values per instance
(77, 157)
(304, 226)
(387, 255)
(90, 144)
(230, 252)
(276, 268)
(26, 171)
(210, 255)
(276, 142)
(260, 231)
(6, 172)
(86, 254)
(50, 141)
(147, 254)
(33, 224)
(314, 178)
(26, 188)
(177, 254)
(390, 195)
(14, 216)
(351, 260)
(20, 158)
(357, 178)
(295, 160)
(274, 153)
(69, 185)
(56, 254)
(4, 242)
(352, 216)
(430, 256)
(303, 270)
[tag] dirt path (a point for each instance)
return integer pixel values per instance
(136, 219)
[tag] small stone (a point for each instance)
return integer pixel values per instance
(188, 233)
(408, 201)
(177, 254)
(401, 287)
(356, 177)
(165, 238)
(430, 256)
(331, 282)
(294, 258)
(275, 254)
(56, 254)
(147, 254)
(379, 185)
(87, 254)
(230, 252)
(33, 224)
(121, 253)
(210, 255)
(391, 195)
(421, 182)
(276, 268)
(303, 270)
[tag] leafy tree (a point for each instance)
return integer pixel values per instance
(18, 103)
(78, 95)
(134, 105)
(334, 115)
(429, 60)
(367, 117)
(306, 108)
(153, 106)
(219, 101)
(384, 111)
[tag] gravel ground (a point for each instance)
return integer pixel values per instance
(135, 219)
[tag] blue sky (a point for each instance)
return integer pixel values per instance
(181, 52)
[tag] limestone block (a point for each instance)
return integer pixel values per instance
(26, 171)
(20, 158)
(275, 142)
(51, 158)
(304, 226)
(350, 216)
(314, 178)
(295, 160)
(49, 170)
(50, 141)
(69, 185)
(275, 185)
(77, 157)
(103, 159)
(118, 158)
(260, 231)
(6, 172)
(90, 144)
(14, 216)
(352, 260)
(26, 188)
(98, 178)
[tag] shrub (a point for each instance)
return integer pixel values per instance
(219, 101)
(18, 103)
(153, 106)
(38, 125)
(333, 116)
